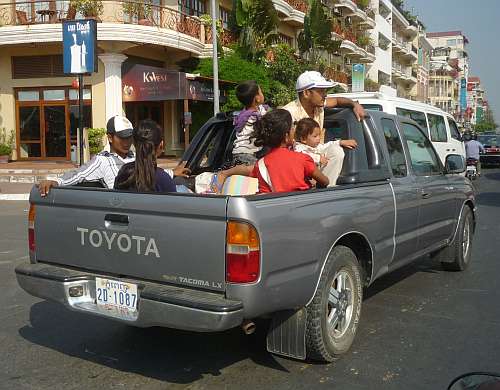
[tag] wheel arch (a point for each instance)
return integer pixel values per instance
(360, 245)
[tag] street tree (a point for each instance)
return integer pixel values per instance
(316, 38)
(256, 22)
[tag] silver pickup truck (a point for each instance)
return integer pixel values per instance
(209, 263)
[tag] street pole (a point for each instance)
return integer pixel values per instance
(215, 59)
(80, 114)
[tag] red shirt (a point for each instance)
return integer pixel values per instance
(288, 171)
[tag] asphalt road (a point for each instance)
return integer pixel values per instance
(420, 327)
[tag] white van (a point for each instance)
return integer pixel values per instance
(440, 126)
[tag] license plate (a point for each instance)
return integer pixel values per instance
(116, 299)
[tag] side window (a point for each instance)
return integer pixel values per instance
(437, 128)
(455, 134)
(424, 159)
(417, 116)
(395, 147)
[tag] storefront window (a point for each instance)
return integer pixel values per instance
(73, 94)
(53, 94)
(43, 126)
(26, 96)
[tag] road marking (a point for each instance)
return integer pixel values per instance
(14, 196)
(5, 262)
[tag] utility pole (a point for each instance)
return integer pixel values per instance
(215, 58)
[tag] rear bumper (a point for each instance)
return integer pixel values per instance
(158, 304)
(487, 159)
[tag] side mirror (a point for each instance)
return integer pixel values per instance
(454, 164)
(476, 380)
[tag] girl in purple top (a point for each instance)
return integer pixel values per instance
(143, 175)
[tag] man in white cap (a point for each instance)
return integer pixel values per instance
(105, 165)
(312, 88)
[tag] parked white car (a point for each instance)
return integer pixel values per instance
(440, 126)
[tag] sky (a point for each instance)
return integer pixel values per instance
(479, 21)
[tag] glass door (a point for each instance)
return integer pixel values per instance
(30, 137)
(55, 139)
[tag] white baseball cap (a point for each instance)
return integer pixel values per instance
(312, 79)
(120, 126)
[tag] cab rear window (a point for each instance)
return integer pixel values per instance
(372, 107)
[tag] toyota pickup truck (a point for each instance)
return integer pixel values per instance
(302, 260)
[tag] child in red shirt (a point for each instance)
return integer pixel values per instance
(281, 170)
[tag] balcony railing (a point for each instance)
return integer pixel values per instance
(299, 5)
(345, 33)
(113, 11)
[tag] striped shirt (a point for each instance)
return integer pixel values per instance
(103, 167)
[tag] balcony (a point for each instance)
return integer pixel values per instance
(337, 76)
(291, 11)
(118, 20)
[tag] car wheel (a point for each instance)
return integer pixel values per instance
(456, 257)
(334, 313)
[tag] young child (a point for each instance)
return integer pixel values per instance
(251, 96)
(329, 156)
(282, 169)
(143, 175)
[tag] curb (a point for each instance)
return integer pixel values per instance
(14, 196)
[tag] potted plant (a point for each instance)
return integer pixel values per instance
(89, 8)
(364, 41)
(6, 145)
(140, 10)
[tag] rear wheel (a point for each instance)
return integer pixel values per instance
(456, 256)
(334, 313)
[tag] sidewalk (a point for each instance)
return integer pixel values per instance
(18, 177)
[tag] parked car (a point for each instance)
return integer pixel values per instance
(440, 126)
(208, 263)
(491, 154)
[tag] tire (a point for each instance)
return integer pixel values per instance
(342, 277)
(456, 256)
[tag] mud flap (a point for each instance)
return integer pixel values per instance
(287, 334)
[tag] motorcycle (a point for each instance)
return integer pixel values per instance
(471, 170)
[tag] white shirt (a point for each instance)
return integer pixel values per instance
(243, 144)
(314, 152)
(103, 167)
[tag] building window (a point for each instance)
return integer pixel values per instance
(192, 7)
(47, 119)
(451, 42)
(224, 17)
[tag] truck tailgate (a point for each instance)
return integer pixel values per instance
(178, 239)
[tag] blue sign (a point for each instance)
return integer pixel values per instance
(463, 94)
(79, 46)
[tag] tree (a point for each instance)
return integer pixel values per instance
(316, 37)
(234, 67)
(256, 22)
(485, 126)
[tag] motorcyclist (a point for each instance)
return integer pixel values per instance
(472, 149)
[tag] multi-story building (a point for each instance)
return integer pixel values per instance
(444, 81)
(476, 100)
(450, 47)
(140, 45)
(420, 91)
(396, 54)
(404, 54)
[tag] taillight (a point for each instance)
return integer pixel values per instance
(31, 228)
(242, 253)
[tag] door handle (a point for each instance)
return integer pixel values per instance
(116, 219)
(425, 195)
